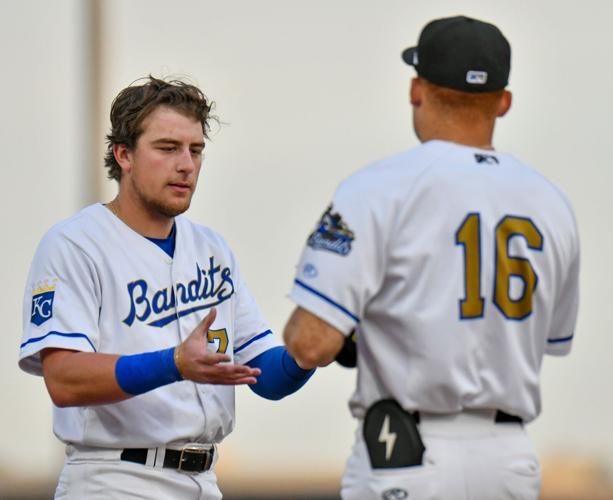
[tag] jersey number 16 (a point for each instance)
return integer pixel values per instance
(506, 266)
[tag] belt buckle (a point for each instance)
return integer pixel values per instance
(195, 457)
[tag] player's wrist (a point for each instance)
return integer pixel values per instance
(178, 360)
(293, 368)
(140, 373)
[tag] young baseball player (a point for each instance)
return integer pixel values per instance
(457, 267)
(140, 321)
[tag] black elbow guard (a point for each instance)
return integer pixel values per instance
(348, 355)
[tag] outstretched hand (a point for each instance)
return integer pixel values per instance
(195, 362)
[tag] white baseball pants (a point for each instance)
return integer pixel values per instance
(468, 457)
(99, 474)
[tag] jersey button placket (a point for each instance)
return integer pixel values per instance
(199, 389)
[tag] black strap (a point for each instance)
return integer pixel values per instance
(137, 455)
(500, 418)
(192, 461)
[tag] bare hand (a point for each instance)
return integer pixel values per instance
(196, 363)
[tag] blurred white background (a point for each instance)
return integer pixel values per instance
(307, 92)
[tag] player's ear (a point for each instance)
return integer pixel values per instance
(505, 103)
(416, 92)
(123, 156)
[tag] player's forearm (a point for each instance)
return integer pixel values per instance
(305, 355)
(311, 341)
(81, 378)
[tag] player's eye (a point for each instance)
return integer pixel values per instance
(196, 151)
(167, 149)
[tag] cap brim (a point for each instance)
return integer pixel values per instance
(408, 56)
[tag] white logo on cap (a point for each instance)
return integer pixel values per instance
(476, 77)
(415, 59)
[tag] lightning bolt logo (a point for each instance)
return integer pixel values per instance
(387, 437)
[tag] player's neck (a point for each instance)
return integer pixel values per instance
(481, 141)
(141, 220)
(478, 135)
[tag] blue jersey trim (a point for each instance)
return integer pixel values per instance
(251, 341)
(74, 335)
(167, 244)
(328, 300)
(563, 339)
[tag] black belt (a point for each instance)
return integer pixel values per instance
(189, 459)
(501, 417)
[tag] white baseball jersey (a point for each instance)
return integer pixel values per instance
(96, 285)
(458, 268)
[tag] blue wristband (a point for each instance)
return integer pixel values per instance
(293, 370)
(139, 373)
(280, 376)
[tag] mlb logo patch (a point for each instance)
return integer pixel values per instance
(476, 77)
(42, 304)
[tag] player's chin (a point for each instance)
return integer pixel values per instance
(174, 207)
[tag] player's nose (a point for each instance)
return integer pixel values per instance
(187, 162)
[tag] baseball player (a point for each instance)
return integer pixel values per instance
(457, 266)
(140, 321)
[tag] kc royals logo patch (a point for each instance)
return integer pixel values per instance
(42, 302)
(332, 234)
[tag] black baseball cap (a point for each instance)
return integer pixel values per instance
(462, 54)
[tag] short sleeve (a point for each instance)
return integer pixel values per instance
(61, 302)
(342, 265)
(253, 336)
(561, 334)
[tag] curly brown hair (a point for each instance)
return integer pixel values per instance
(134, 103)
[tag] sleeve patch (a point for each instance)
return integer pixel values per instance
(332, 234)
(42, 302)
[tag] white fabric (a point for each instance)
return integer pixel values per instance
(467, 457)
(401, 283)
(114, 291)
(99, 474)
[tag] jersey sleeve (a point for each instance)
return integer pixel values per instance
(253, 336)
(61, 302)
(342, 264)
(561, 335)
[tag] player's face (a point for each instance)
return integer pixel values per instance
(165, 163)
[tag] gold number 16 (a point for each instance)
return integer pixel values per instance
(506, 266)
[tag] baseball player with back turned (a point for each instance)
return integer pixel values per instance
(139, 319)
(457, 266)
